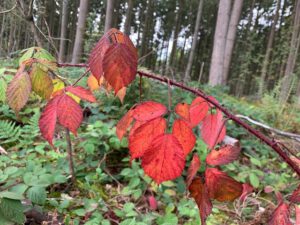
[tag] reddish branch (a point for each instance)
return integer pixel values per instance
(270, 142)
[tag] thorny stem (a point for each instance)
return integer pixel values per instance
(82, 76)
(70, 156)
(272, 143)
(140, 86)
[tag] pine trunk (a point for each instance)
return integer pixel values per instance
(128, 17)
(109, 15)
(63, 31)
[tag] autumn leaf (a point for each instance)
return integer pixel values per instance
(295, 197)
(222, 187)
(152, 202)
(199, 192)
(247, 189)
(224, 155)
(164, 159)
(281, 215)
(184, 134)
(183, 110)
(93, 83)
(141, 139)
(41, 83)
(82, 93)
(124, 124)
(18, 90)
(48, 119)
(69, 113)
(135, 126)
(297, 212)
(149, 110)
(198, 110)
(192, 170)
(213, 129)
(121, 94)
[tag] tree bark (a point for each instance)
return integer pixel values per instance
(217, 59)
(109, 15)
(128, 17)
(292, 57)
(264, 69)
(146, 28)
(230, 39)
(194, 43)
(63, 31)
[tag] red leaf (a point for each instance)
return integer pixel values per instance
(297, 212)
(136, 125)
(193, 168)
(141, 138)
(224, 155)
(213, 129)
(69, 113)
(183, 110)
(295, 198)
(152, 202)
(149, 110)
(164, 159)
(247, 189)
(198, 110)
(222, 187)
(47, 120)
(124, 124)
(199, 192)
(82, 93)
(281, 215)
(119, 66)
(184, 134)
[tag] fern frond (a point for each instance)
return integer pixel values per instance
(9, 132)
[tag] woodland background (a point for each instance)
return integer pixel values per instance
(243, 52)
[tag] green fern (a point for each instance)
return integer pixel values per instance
(31, 130)
(9, 132)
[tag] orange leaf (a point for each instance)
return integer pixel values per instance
(121, 94)
(199, 192)
(164, 159)
(224, 155)
(124, 124)
(81, 93)
(183, 110)
(193, 168)
(222, 187)
(213, 129)
(69, 113)
(48, 119)
(18, 90)
(281, 215)
(184, 134)
(93, 83)
(198, 110)
(149, 110)
(140, 140)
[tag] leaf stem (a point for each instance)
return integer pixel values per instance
(82, 76)
(70, 156)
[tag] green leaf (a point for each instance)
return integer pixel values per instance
(254, 180)
(255, 161)
(10, 170)
(3, 87)
(37, 195)
(42, 84)
(11, 195)
(12, 210)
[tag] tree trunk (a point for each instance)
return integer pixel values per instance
(128, 17)
(230, 39)
(264, 69)
(217, 59)
(109, 15)
(194, 43)
(146, 28)
(78, 45)
(293, 52)
(176, 33)
(63, 31)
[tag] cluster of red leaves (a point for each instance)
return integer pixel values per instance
(163, 154)
(62, 108)
(115, 58)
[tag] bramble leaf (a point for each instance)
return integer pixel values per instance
(193, 168)
(295, 198)
(183, 110)
(124, 124)
(82, 93)
(184, 134)
(281, 215)
(164, 159)
(199, 192)
(224, 155)
(141, 138)
(149, 110)
(41, 83)
(222, 187)
(213, 129)
(198, 110)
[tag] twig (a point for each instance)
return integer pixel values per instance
(9, 10)
(296, 137)
(82, 76)
(70, 156)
